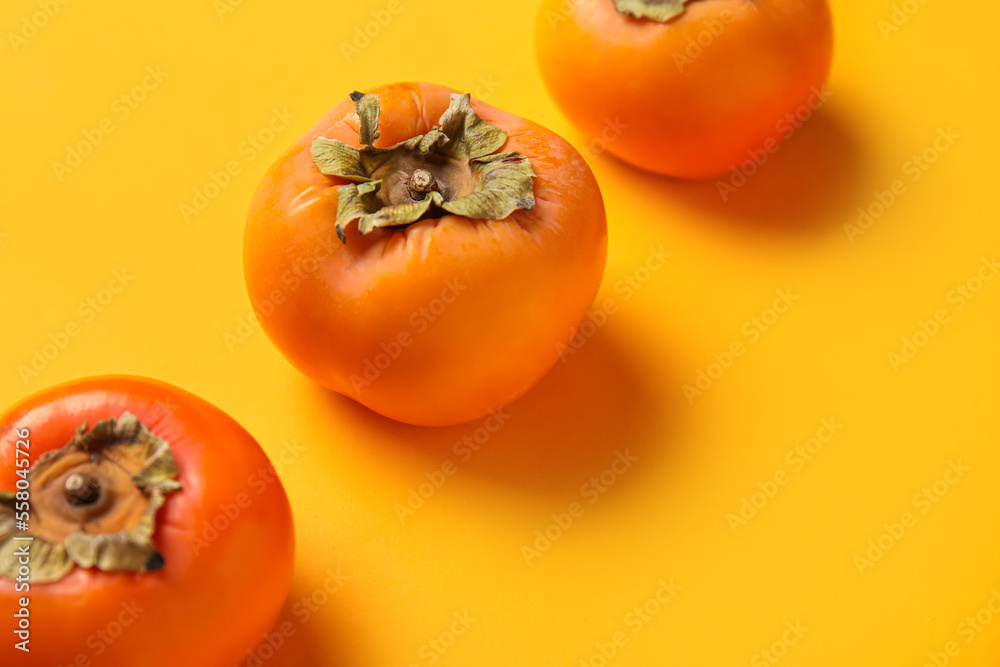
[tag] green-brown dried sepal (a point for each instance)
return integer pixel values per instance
(468, 177)
(47, 561)
(502, 178)
(368, 110)
(93, 503)
(131, 445)
(470, 136)
(125, 550)
(656, 10)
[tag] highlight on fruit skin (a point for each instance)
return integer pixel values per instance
(125, 501)
(425, 253)
(694, 88)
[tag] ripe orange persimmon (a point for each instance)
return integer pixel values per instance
(160, 534)
(471, 244)
(689, 89)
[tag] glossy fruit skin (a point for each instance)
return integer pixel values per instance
(442, 321)
(694, 97)
(201, 610)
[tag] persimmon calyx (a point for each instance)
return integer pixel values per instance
(657, 10)
(455, 168)
(92, 503)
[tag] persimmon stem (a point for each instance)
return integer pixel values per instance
(420, 183)
(82, 489)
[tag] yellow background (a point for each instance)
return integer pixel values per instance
(346, 469)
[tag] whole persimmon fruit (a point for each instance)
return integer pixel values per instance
(425, 253)
(139, 525)
(691, 88)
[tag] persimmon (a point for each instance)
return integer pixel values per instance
(135, 518)
(686, 88)
(425, 253)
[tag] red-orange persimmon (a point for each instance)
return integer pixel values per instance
(204, 582)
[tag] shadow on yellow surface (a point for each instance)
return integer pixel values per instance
(808, 184)
(558, 435)
(294, 640)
